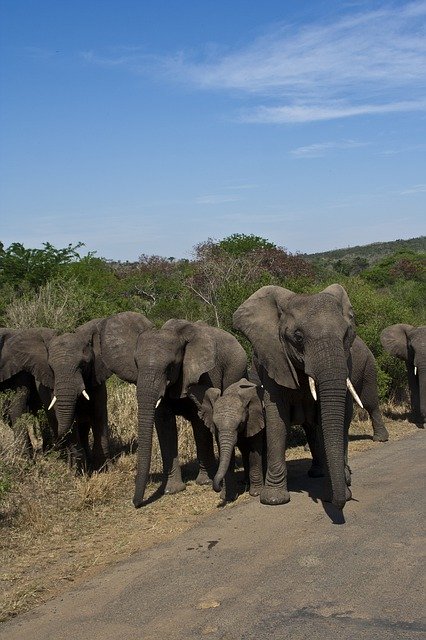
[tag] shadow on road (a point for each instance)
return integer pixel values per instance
(298, 481)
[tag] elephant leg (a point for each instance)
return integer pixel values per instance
(255, 467)
(18, 408)
(317, 467)
(98, 398)
(380, 433)
(205, 450)
(77, 452)
(165, 425)
(275, 491)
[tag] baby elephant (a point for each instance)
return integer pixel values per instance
(235, 418)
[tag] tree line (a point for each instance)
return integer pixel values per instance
(62, 288)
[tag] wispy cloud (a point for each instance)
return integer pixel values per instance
(365, 62)
(417, 188)
(216, 199)
(329, 111)
(322, 148)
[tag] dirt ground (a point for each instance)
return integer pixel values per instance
(58, 530)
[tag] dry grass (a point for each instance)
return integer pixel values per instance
(58, 529)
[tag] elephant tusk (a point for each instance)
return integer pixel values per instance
(354, 393)
(415, 371)
(52, 403)
(158, 401)
(312, 388)
(85, 394)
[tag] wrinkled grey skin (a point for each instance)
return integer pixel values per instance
(82, 360)
(24, 376)
(295, 336)
(169, 360)
(162, 363)
(364, 379)
(409, 344)
(236, 419)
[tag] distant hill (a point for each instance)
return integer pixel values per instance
(368, 254)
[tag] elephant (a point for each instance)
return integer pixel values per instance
(409, 344)
(28, 379)
(162, 363)
(63, 367)
(169, 360)
(364, 379)
(235, 417)
(302, 353)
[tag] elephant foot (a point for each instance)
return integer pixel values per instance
(274, 495)
(255, 490)
(203, 478)
(174, 486)
(381, 436)
(316, 471)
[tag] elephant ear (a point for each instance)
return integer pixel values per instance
(118, 337)
(394, 340)
(251, 396)
(340, 293)
(26, 350)
(91, 333)
(204, 398)
(258, 318)
(200, 350)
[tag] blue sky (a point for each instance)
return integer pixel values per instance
(149, 126)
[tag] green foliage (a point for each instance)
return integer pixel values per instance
(19, 265)
(57, 288)
(239, 244)
(402, 265)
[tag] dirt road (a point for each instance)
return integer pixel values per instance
(253, 572)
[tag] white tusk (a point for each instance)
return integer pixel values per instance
(354, 393)
(52, 403)
(158, 401)
(415, 371)
(85, 394)
(312, 388)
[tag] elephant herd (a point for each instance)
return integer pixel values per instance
(308, 365)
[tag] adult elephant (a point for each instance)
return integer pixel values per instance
(163, 363)
(167, 362)
(364, 379)
(24, 371)
(409, 344)
(302, 349)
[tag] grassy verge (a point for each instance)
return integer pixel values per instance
(57, 529)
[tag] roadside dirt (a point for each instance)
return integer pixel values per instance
(89, 523)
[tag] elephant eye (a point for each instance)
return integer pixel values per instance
(298, 337)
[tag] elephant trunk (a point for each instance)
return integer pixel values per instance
(227, 442)
(332, 397)
(65, 408)
(147, 395)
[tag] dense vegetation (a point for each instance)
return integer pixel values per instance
(61, 288)
(353, 260)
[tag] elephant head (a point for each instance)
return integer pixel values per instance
(409, 344)
(82, 359)
(26, 350)
(301, 338)
(168, 361)
(238, 411)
